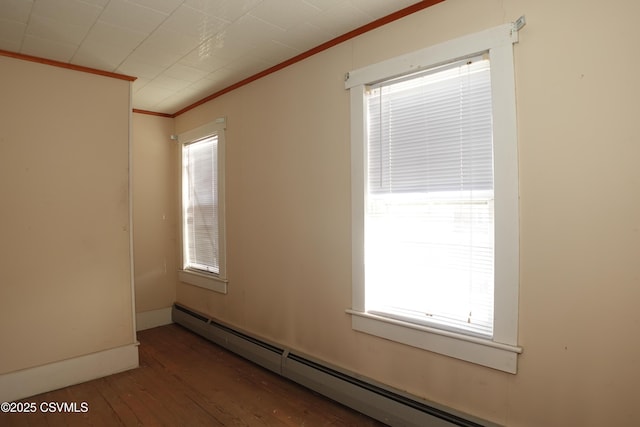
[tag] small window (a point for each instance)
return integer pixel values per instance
(435, 199)
(203, 233)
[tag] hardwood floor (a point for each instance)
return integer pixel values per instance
(185, 380)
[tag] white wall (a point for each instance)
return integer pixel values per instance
(65, 262)
(155, 218)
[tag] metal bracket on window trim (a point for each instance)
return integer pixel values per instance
(520, 22)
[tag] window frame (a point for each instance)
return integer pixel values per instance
(499, 352)
(217, 282)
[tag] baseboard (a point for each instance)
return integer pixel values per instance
(388, 405)
(153, 318)
(32, 381)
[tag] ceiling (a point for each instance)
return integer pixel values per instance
(181, 51)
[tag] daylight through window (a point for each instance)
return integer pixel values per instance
(203, 206)
(429, 207)
(434, 185)
(200, 216)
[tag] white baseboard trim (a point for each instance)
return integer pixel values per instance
(153, 318)
(40, 379)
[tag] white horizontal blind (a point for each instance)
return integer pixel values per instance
(429, 217)
(201, 205)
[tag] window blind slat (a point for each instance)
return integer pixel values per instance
(429, 215)
(201, 223)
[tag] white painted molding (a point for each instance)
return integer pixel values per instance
(500, 356)
(40, 379)
(153, 318)
(206, 281)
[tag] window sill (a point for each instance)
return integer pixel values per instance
(203, 280)
(481, 351)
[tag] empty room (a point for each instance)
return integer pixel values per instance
(319, 212)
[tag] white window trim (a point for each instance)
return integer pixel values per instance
(211, 281)
(501, 351)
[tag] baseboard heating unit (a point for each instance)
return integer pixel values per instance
(378, 401)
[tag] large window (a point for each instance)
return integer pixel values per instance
(203, 232)
(435, 199)
(429, 202)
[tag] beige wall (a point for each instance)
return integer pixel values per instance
(288, 213)
(155, 212)
(65, 276)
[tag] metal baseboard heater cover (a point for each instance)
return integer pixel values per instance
(376, 400)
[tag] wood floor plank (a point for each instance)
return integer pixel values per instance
(185, 380)
(87, 396)
(176, 393)
(196, 381)
(121, 411)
